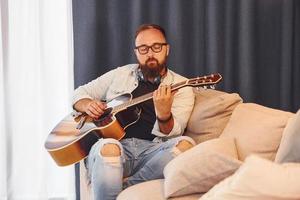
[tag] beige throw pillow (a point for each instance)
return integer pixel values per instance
(211, 113)
(289, 149)
(259, 179)
(200, 168)
(257, 129)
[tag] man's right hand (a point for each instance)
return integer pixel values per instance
(93, 108)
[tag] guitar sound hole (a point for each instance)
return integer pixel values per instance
(103, 121)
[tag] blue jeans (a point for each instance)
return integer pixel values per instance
(140, 160)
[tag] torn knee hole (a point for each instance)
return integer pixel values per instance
(110, 150)
(184, 145)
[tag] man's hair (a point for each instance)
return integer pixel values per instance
(150, 26)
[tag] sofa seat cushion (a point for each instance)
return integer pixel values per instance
(211, 113)
(150, 190)
(201, 167)
(259, 179)
(256, 129)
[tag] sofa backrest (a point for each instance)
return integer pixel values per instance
(257, 129)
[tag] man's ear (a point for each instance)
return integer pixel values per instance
(135, 52)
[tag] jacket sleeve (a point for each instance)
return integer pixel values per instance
(95, 89)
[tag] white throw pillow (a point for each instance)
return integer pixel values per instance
(200, 168)
(289, 149)
(259, 179)
(211, 113)
(257, 129)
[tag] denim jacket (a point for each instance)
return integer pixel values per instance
(124, 80)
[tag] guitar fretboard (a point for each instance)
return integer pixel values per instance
(144, 97)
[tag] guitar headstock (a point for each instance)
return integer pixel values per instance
(203, 81)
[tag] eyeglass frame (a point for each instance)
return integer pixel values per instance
(151, 47)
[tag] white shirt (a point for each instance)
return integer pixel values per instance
(124, 80)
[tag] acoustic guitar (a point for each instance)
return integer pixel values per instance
(71, 139)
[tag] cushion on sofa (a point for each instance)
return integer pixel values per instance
(200, 168)
(289, 149)
(150, 190)
(259, 179)
(257, 129)
(211, 113)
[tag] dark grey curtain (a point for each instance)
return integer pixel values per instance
(254, 44)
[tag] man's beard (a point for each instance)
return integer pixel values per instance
(151, 70)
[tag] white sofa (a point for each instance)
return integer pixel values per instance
(227, 132)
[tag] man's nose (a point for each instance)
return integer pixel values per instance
(150, 53)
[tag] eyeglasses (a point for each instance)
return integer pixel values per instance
(156, 47)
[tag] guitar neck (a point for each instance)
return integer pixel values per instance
(145, 97)
(194, 82)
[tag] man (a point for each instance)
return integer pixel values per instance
(155, 139)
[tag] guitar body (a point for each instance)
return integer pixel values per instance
(68, 145)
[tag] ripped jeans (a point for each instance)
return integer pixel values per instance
(140, 160)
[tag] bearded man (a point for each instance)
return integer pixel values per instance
(156, 137)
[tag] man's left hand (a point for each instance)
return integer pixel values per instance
(163, 99)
